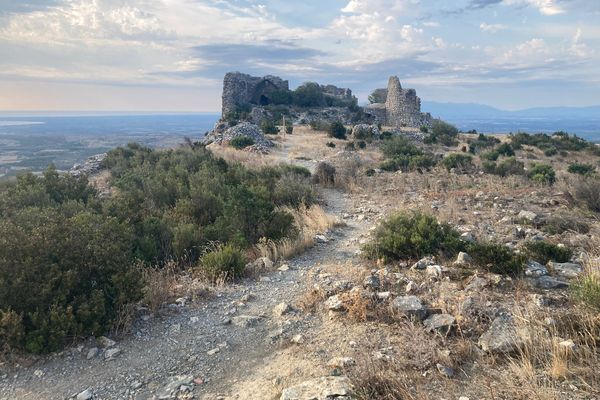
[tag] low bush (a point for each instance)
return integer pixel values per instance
(241, 142)
(482, 142)
(412, 236)
(458, 161)
(443, 133)
(289, 129)
(581, 169)
(337, 130)
(587, 192)
(386, 135)
(587, 290)
(361, 144)
(543, 252)
(551, 144)
(509, 166)
(330, 144)
(224, 262)
(268, 127)
(402, 154)
(350, 146)
(324, 174)
(542, 173)
(496, 258)
(560, 223)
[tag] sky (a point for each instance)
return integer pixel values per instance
(171, 55)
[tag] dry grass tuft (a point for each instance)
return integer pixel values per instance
(309, 222)
(160, 283)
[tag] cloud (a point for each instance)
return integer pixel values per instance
(492, 28)
(24, 6)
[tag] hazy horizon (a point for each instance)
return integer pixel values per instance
(171, 55)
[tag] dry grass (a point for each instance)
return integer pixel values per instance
(311, 300)
(159, 285)
(309, 222)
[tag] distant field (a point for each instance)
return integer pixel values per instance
(33, 142)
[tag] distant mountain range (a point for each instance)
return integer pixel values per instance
(474, 111)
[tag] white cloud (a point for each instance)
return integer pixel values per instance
(545, 7)
(492, 28)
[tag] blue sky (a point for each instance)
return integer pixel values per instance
(171, 55)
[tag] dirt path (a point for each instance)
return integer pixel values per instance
(216, 342)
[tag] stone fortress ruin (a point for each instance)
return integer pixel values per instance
(402, 107)
(254, 99)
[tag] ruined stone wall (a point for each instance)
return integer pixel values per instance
(241, 90)
(402, 107)
(335, 91)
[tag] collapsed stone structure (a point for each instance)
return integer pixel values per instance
(250, 95)
(241, 90)
(402, 107)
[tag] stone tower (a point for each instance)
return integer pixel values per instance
(403, 107)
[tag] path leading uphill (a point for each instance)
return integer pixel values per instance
(208, 346)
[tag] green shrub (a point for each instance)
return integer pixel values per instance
(268, 127)
(350, 146)
(496, 258)
(543, 252)
(386, 135)
(458, 161)
(330, 144)
(505, 149)
(412, 236)
(361, 144)
(581, 169)
(509, 166)
(225, 262)
(489, 156)
(443, 133)
(289, 129)
(241, 142)
(337, 130)
(542, 173)
(564, 222)
(424, 129)
(587, 290)
(550, 144)
(402, 154)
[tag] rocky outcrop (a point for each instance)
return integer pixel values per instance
(91, 166)
(402, 107)
(242, 129)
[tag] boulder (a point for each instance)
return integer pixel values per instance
(424, 262)
(85, 395)
(282, 309)
(326, 388)
(548, 282)
(409, 306)
(334, 303)
(535, 269)
(171, 389)
(462, 259)
(442, 323)
(567, 270)
(372, 282)
(242, 129)
(501, 337)
(528, 216)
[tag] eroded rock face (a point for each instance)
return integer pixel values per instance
(326, 388)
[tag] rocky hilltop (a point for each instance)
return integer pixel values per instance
(257, 99)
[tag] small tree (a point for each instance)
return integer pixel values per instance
(542, 173)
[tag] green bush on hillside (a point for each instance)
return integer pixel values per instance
(443, 133)
(225, 262)
(543, 252)
(496, 258)
(268, 127)
(412, 236)
(458, 161)
(581, 169)
(337, 130)
(402, 154)
(67, 255)
(241, 142)
(509, 166)
(542, 173)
